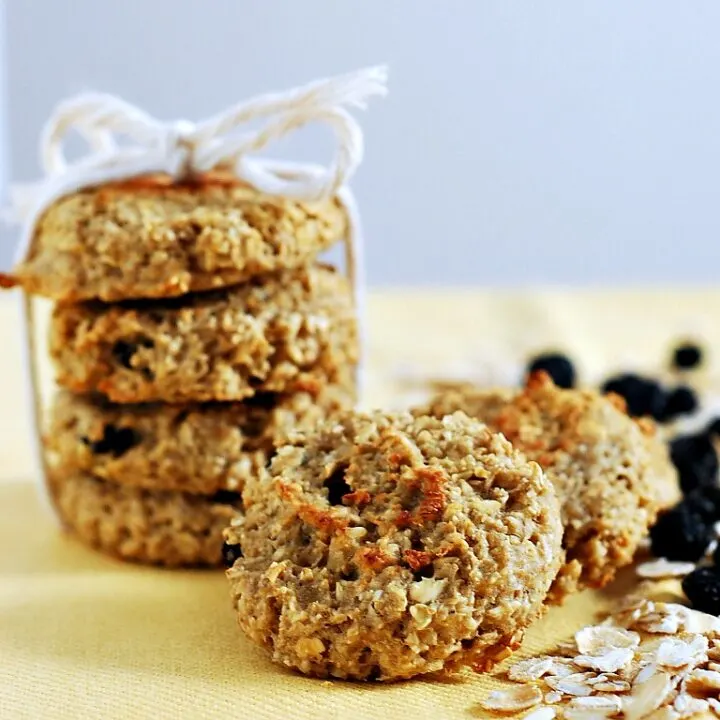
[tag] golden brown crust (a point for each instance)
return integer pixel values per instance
(7, 281)
(386, 546)
(155, 527)
(283, 333)
(148, 238)
(197, 448)
(611, 472)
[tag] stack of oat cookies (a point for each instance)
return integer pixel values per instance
(193, 328)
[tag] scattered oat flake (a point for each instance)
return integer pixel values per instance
(566, 649)
(583, 714)
(562, 667)
(677, 653)
(611, 671)
(612, 686)
(603, 703)
(648, 696)
(688, 619)
(575, 684)
(670, 608)
(663, 568)
(514, 699)
(663, 713)
(602, 677)
(631, 603)
(714, 705)
(594, 640)
(687, 705)
(649, 647)
(645, 674)
(530, 669)
(541, 713)
(611, 661)
(694, 621)
(659, 624)
(703, 681)
(630, 672)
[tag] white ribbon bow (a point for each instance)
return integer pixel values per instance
(124, 141)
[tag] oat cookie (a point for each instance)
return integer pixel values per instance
(386, 546)
(148, 238)
(156, 527)
(197, 448)
(611, 472)
(284, 333)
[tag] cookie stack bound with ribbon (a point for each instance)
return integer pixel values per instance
(194, 325)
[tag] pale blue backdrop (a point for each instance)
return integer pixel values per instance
(576, 141)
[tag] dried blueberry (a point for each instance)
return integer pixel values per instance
(687, 356)
(336, 485)
(680, 534)
(705, 503)
(262, 401)
(680, 401)
(558, 366)
(643, 396)
(123, 350)
(116, 441)
(696, 461)
(702, 587)
(225, 497)
(426, 571)
(231, 553)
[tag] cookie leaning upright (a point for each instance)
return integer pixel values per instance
(611, 472)
(194, 323)
(387, 546)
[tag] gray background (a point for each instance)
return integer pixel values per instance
(573, 141)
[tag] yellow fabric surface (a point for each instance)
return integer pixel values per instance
(84, 636)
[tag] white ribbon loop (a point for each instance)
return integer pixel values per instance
(98, 118)
(124, 140)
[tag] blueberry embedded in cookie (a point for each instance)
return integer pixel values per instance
(385, 546)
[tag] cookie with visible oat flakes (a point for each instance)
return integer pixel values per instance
(612, 473)
(157, 527)
(197, 448)
(385, 546)
(293, 331)
(150, 238)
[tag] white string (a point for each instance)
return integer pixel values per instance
(182, 148)
(124, 141)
